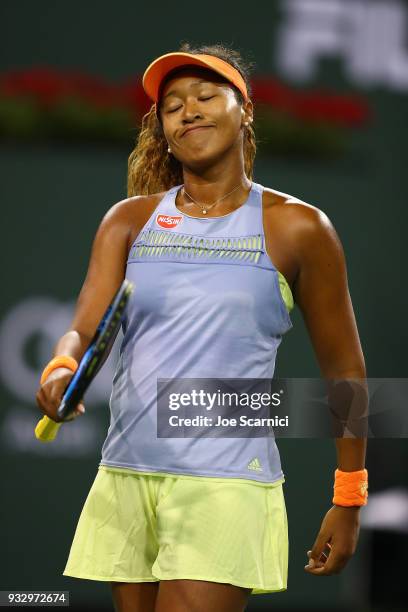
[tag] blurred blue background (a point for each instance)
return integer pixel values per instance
(331, 106)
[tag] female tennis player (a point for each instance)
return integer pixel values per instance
(218, 260)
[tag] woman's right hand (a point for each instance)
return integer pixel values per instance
(50, 393)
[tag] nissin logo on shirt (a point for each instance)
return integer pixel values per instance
(167, 221)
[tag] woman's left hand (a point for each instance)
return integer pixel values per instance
(336, 541)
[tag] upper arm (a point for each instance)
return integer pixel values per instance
(106, 269)
(322, 294)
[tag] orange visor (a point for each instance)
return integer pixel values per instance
(160, 68)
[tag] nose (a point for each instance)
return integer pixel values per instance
(191, 111)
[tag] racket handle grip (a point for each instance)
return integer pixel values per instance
(46, 429)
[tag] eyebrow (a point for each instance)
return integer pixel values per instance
(174, 91)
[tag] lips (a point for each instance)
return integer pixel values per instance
(196, 128)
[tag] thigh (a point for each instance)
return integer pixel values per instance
(134, 596)
(200, 596)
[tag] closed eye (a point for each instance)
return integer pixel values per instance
(202, 99)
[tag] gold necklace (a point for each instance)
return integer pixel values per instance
(206, 207)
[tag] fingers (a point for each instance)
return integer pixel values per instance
(49, 394)
(48, 398)
(319, 547)
(321, 560)
(79, 410)
(47, 405)
(331, 561)
(325, 554)
(313, 564)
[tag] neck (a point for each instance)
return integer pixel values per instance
(209, 184)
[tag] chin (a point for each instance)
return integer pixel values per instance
(200, 157)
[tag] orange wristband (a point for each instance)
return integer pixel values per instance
(64, 361)
(350, 488)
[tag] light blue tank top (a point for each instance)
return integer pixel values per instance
(208, 303)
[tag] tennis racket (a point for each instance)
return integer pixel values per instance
(90, 364)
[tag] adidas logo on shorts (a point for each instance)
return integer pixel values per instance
(255, 465)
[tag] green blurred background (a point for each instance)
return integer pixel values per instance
(56, 185)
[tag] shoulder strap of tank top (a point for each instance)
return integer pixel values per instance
(257, 209)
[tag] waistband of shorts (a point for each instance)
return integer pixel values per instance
(134, 472)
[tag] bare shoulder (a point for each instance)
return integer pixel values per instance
(292, 208)
(131, 214)
(134, 208)
(297, 220)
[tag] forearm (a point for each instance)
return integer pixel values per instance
(351, 453)
(349, 402)
(73, 344)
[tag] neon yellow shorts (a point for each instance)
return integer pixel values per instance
(144, 527)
